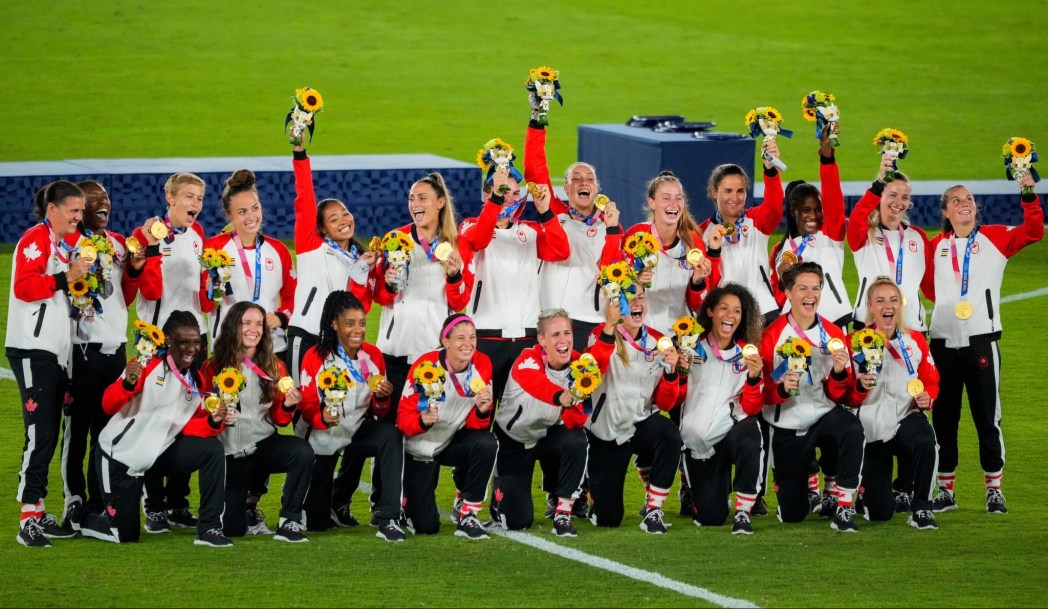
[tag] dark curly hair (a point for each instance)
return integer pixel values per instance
(337, 303)
(229, 348)
(752, 323)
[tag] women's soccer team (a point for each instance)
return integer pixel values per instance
(483, 324)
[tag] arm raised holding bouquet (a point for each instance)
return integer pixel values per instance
(767, 121)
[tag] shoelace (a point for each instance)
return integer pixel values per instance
(392, 524)
(47, 520)
(923, 514)
(291, 525)
(33, 528)
(846, 514)
(654, 514)
(259, 514)
(562, 519)
(471, 522)
(742, 517)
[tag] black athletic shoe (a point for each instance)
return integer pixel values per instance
(390, 530)
(97, 526)
(562, 526)
(456, 511)
(343, 518)
(213, 538)
(740, 525)
(828, 507)
(470, 528)
(653, 523)
(579, 509)
(687, 504)
(31, 535)
(944, 501)
(814, 502)
(843, 520)
(995, 501)
(52, 530)
(551, 506)
(156, 522)
(182, 517)
(74, 515)
(902, 502)
(291, 532)
(256, 522)
(923, 520)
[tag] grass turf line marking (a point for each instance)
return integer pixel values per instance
(597, 562)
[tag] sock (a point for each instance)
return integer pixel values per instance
(845, 496)
(993, 480)
(946, 480)
(29, 510)
(813, 483)
(656, 497)
(469, 507)
(744, 503)
(564, 505)
(644, 473)
(458, 496)
(829, 485)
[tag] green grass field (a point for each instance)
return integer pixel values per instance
(195, 78)
(191, 78)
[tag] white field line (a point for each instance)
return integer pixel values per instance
(597, 562)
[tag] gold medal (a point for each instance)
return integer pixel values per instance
(533, 188)
(729, 228)
(158, 230)
(443, 252)
(601, 202)
(695, 257)
(834, 344)
(789, 257)
(664, 344)
(915, 387)
(477, 384)
(749, 350)
(133, 245)
(963, 310)
(375, 244)
(211, 403)
(374, 381)
(285, 384)
(89, 253)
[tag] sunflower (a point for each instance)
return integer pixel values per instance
(751, 117)
(227, 381)
(225, 258)
(578, 367)
(404, 243)
(586, 383)
(867, 340)
(141, 325)
(428, 373)
(1020, 147)
(344, 380)
(326, 380)
(683, 326)
(898, 136)
(615, 272)
(801, 348)
(809, 114)
(156, 335)
(630, 247)
(772, 114)
(309, 99)
(78, 287)
(546, 73)
(649, 243)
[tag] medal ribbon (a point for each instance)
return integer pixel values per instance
(587, 220)
(430, 248)
(962, 275)
(803, 334)
(465, 392)
(891, 257)
(254, 368)
(258, 263)
(59, 244)
(353, 254)
(904, 358)
(804, 244)
(738, 228)
(188, 384)
(361, 375)
(719, 354)
(633, 343)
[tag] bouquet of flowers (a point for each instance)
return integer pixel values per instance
(584, 378)
(333, 383)
(397, 248)
(619, 282)
(868, 349)
(1019, 156)
(894, 143)
(819, 108)
(797, 352)
(767, 121)
(429, 383)
(149, 341)
(86, 293)
(308, 102)
(229, 383)
(543, 85)
(497, 154)
(217, 263)
(686, 332)
(643, 251)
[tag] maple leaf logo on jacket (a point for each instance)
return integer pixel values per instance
(31, 405)
(31, 252)
(529, 363)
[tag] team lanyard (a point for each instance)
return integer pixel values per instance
(738, 227)
(254, 368)
(633, 343)
(511, 211)
(362, 375)
(589, 220)
(905, 357)
(189, 384)
(430, 248)
(60, 243)
(258, 263)
(891, 257)
(353, 254)
(463, 391)
(962, 274)
(719, 354)
(677, 252)
(172, 230)
(803, 334)
(804, 244)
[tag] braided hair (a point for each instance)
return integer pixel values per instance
(338, 302)
(796, 192)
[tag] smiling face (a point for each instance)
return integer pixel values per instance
(808, 216)
(460, 344)
(895, 201)
(350, 326)
(184, 344)
(960, 209)
(97, 207)
(805, 296)
(184, 206)
(885, 306)
(667, 206)
(726, 316)
(638, 311)
(65, 215)
(336, 222)
(556, 340)
(424, 206)
(581, 187)
(245, 213)
(252, 326)
(730, 197)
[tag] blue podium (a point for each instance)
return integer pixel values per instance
(627, 157)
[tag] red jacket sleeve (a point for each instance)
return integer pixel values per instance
(31, 279)
(200, 425)
(379, 406)
(288, 280)
(695, 297)
(532, 377)
(536, 167)
(408, 419)
(476, 420)
(832, 199)
(306, 237)
(151, 280)
(574, 417)
(280, 415)
(928, 280)
(667, 390)
(477, 234)
(613, 241)
(859, 223)
(116, 396)
(552, 243)
(458, 292)
(1011, 239)
(926, 370)
(752, 394)
(839, 390)
(776, 284)
(310, 406)
(768, 215)
(772, 395)
(602, 349)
